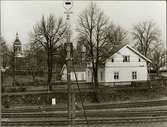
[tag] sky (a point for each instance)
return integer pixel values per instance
(21, 16)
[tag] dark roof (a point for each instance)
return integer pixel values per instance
(109, 50)
(17, 42)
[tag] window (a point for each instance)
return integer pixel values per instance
(139, 59)
(116, 75)
(134, 75)
(126, 58)
(112, 60)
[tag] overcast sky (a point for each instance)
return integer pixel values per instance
(20, 16)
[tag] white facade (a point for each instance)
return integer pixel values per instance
(101, 75)
(81, 75)
(163, 71)
(125, 65)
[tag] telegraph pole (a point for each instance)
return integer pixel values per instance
(69, 47)
(14, 66)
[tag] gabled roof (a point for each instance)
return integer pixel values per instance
(138, 53)
(64, 67)
(110, 50)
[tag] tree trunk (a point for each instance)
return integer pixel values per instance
(157, 70)
(2, 78)
(95, 85)
(49, 62)
(51, 69)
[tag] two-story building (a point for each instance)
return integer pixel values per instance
(123, 64)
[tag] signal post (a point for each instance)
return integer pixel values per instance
(69, 48)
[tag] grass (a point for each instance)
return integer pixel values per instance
(113, 96)
(61, 98)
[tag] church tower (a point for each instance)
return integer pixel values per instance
(17, 46)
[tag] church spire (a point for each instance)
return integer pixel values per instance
(17, 46)
(17, 41)
(17, 36)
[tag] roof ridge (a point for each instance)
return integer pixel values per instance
(137, 52)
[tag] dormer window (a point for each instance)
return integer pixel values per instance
(126, 58)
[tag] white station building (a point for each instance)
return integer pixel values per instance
(124, 64)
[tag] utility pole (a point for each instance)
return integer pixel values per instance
(69, 47)
(0, 76)
(14, 66)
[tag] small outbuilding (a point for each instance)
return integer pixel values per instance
(78, 70)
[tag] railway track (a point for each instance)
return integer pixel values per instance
(104, 114)
(96, 114)
(61, 122)
(94, 117)
(127, 105)
(87, 106)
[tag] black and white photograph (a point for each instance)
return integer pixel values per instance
(92, 63)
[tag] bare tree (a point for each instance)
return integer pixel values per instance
(4, 58)
(92, 24)
(4, 51)
(32, 57)
(158, 57)
(95, 33)
(12, 64)
(145, 34)
(116, 34)
(48, 33)
(60, 55)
